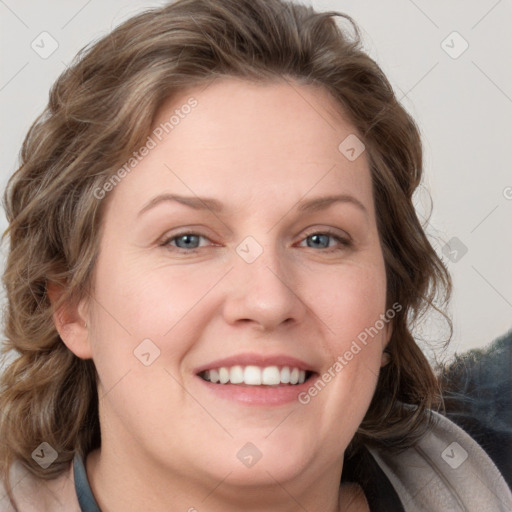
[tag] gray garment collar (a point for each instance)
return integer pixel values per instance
(445, 470)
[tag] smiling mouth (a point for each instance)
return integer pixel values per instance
(256, 375)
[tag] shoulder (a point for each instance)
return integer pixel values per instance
(33, 494)
(445, 470)
(477, 392)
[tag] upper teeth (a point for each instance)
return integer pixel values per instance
(255, 375)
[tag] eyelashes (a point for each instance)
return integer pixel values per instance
(342, 243)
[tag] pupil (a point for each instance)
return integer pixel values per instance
(317, 237)
(187, 238)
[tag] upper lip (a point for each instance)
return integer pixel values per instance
(248, 359)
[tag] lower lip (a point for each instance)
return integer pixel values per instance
(258, 395)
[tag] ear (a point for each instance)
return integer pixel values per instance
(71, 322)
(388, 331)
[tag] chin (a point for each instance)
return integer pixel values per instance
(261, 459)
(280, 466)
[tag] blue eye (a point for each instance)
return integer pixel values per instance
(186, 242)
(189, 243)
(320, 239)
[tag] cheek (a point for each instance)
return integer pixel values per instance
(356, 325)
(133, 303)
(351, 309)
(352, 303)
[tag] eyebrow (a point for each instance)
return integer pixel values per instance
(208, 203)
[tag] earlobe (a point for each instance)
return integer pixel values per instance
(71, 323)
(386, 356)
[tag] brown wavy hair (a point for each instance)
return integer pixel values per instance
(101, 109)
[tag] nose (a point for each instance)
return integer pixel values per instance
(265, 292)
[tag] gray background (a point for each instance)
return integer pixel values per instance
(462, 101)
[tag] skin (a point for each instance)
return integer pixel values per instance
(168, 443)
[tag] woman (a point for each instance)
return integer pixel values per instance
(214, 264)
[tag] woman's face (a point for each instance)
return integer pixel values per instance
(258, 281)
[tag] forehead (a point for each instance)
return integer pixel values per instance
(272, 116)
(242, 141)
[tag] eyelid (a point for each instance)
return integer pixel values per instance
(335, 232)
